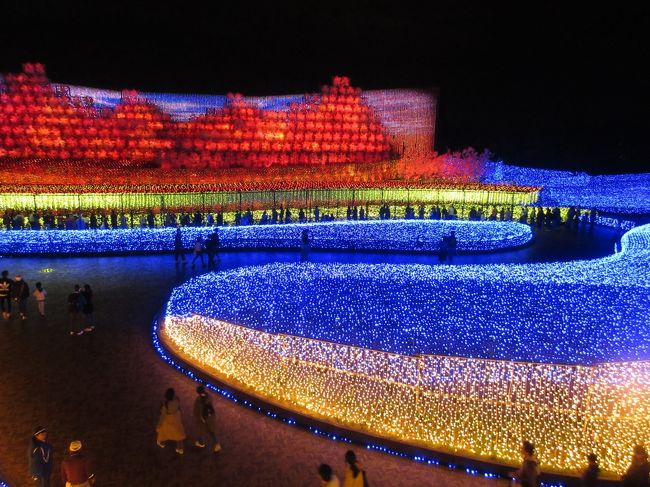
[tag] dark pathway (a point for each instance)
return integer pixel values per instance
(105, 388)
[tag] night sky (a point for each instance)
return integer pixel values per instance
(537, 84)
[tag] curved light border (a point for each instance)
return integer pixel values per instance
(570, 410)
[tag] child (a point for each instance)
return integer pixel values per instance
(39, 295)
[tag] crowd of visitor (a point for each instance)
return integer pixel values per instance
(75, 470)
(16, 291)
(81, 318)
(112, 219)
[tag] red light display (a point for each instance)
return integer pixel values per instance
(41, 121)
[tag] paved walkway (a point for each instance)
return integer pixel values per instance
(105, 389)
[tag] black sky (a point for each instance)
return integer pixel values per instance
(538, 84)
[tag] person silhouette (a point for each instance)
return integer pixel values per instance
(305, 242)
(179, 250)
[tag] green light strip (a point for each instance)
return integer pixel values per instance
(262, 199)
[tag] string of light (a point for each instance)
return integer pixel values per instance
(375, 380)
(619, 193)
(324, 432)
(393, 235)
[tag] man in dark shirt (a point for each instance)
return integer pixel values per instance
(20, 293)
(212, 247)
(304, 245)
(75, 304)
(40, 456)
(179, 250)
(204, 420)
(528, 474)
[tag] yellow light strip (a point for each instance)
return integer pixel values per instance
(263, 199)
(475, 407)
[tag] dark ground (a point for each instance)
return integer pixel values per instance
(104, 388)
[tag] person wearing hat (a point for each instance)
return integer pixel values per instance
(75, 469)
(40, 456)
(20, 293)
(638, 473)
(76, 302)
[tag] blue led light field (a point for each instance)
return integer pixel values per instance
(395, 235)
(619, 193)
(577, 312)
